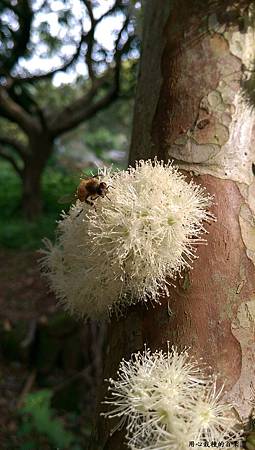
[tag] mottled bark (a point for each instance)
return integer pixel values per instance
(197, 116)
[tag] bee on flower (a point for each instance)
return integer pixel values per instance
(130, 248)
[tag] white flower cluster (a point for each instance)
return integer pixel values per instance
(167, 402)
(123, 250)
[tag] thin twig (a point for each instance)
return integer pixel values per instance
(26, 389)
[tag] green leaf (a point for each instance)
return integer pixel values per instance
(41, 418)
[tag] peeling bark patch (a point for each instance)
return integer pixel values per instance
(221, 139)
(225, 146)
(243, 328)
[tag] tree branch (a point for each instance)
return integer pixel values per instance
(21, 37)
(119, 51)
(85, 107)
(14, 144)
(116, 5)
(74, 113)
(50, 74)
(88, 5)
(82, 110)
(15, 113)
(11, 160)
(89, 39)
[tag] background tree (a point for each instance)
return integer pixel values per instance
(25, 31)
(196, 60)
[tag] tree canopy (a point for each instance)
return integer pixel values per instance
(46, 32)
(87, 40)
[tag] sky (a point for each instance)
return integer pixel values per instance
(104, 34)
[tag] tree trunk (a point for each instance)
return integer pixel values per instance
(190, 107)
(40, 149)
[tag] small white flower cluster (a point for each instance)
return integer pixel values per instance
(123, 250)
(167, 401)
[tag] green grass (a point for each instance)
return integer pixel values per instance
(16, 232)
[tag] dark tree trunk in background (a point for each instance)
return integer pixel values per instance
(39, 150)
(31, 191)
(190, 107)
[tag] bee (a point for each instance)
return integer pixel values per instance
(89, 189)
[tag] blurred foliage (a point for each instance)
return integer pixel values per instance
(105, 132)
(108, 130)
(58, 413)
(52, 97)
(114, 121)
(89, 45)
(39, 426)
(15, 230)
(8, 128)
(102, 131)
(49, 31)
